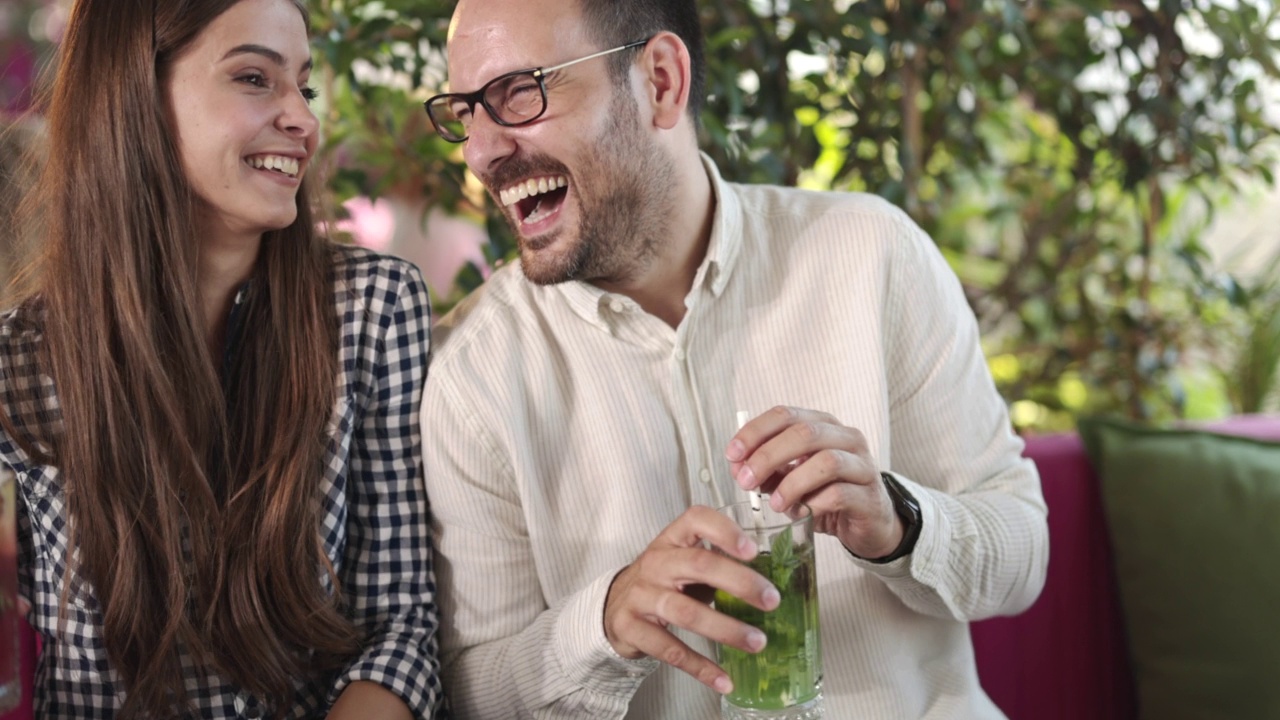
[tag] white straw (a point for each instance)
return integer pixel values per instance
(754, 495)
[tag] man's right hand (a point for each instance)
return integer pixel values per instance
(671, 584)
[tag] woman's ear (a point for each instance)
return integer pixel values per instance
(666, 73)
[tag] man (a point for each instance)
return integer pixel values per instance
(580, 413)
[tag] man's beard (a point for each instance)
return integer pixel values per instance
(625, 192)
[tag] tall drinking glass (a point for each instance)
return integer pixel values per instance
(783, 681)
(10, 638)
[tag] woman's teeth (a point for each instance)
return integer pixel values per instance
(279, 163)
(529, 188)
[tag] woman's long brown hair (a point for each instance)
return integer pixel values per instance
(193, 503)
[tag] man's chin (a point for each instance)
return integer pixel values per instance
(545, 267)
(542, 274)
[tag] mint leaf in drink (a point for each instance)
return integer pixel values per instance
(782, 560)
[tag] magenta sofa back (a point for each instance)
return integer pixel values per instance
(1064, 658)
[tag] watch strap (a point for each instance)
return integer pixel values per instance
(907, 508)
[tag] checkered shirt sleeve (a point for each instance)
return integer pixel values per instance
(386, 569)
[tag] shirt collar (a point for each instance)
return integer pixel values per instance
(234, 337)
(599, 307)
(726, 232)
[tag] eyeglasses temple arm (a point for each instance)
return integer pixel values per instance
(543, 71)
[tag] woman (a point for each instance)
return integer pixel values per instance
(212, 412)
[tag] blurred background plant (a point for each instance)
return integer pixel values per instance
(1067, 158)
(1252, 377)
(1070, 158)
(402, 188)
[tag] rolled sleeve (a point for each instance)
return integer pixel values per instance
(387, 562)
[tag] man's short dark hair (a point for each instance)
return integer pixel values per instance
(614, 22)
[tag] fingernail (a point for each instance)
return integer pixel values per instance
(777, 502)
(736, 451)
(756, 641)
(771, 598)
(723, 685)
(745, 545)
(746, 478)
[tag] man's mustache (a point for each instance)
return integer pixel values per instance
(518, 169)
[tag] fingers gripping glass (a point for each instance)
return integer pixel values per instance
(515, 99)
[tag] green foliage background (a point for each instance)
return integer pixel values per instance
(1066, 157)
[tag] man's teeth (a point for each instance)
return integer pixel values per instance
(279, 163)
(529, 188)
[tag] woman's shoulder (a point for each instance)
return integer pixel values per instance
(26, 394)
(21, 335)
(358, 266)
(378, 284)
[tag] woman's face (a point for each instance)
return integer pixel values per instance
(245, 132)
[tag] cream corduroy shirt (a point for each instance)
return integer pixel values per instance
(564, 428)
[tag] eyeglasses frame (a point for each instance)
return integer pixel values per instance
(538, 73)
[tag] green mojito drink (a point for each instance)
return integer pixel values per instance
(784, 680)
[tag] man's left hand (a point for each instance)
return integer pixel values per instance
(798, 455)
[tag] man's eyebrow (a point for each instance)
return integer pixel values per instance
(264, 51)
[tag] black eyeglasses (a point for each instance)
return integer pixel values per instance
(515, 99)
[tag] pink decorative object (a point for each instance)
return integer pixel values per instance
(439, 244)
(371, 222)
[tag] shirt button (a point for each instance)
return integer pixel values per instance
(705, 475)
(679, 354)
(617, 306)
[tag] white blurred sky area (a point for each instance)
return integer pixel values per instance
(1245, 231)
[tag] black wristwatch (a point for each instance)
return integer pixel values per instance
(909, 510)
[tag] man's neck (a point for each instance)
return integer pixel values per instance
(662, 287)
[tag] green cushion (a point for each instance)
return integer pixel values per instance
(1194, 519)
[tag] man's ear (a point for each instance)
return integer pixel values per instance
(665, 68)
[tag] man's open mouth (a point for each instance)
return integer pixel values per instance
(535, 198)
(277, 163)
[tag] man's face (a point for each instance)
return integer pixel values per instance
(585, 187)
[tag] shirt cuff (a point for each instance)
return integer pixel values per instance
(585, 653)
(927, 560)
(395, 661)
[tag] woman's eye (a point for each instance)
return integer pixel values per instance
(254, 79)
(309, 93)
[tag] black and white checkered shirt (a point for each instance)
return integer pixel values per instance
(374, 520)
